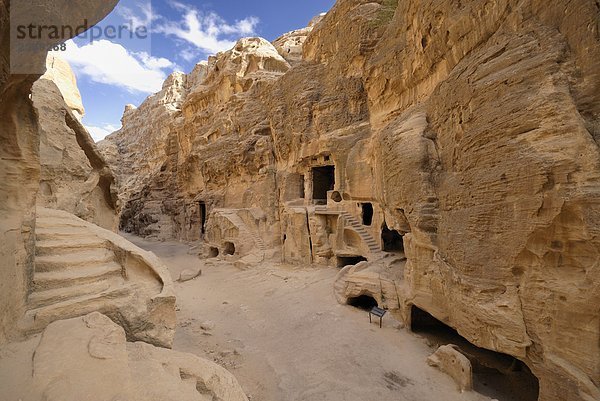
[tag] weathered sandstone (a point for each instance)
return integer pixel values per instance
(88, 358)
(74, 177)
(462, 136)
(19, 157)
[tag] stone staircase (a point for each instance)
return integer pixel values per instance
(350, 221)
(364, 235)
(245, 231)
(75, 274)
(77, 271)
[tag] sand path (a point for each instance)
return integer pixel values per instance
(280, 330)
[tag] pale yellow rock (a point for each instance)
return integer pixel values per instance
(450, 360)
(88, 358)
(470, 129)
(59, 71)
(74, 176)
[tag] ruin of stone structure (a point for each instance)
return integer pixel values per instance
(444, 156)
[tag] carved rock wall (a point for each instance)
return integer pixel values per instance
(19, 162)
(470, 127)
(74, 176)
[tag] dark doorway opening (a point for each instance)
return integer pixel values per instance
(202, 218)
(213, 252)
(323, 181)
(301, 186)
(495, 375)
(391, 239)
(343, 261)
(229, 248)
(367, 214)
(365, 302)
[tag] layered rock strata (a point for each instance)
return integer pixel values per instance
(74, 176)
(462, 136)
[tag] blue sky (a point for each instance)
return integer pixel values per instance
(115, 71)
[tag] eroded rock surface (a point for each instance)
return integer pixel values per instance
(82, 268)
(88, 358)
(74, 176)
(462, 136)
(19, 157)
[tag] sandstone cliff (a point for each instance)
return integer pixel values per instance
(19, 159)
(74, 176)
(461, 137)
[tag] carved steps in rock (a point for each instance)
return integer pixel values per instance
(72, 277)
(245, 231)
(367, 238)
(64, 258)
(75, 272)
(104, 301)
(68, 245)
(44, 298)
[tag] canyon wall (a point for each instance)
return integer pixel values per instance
(73, 177)
(19, 157)
(460, 136)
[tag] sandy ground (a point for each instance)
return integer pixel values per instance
(280, 331)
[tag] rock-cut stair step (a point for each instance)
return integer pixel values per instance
(73, 277)
(73, 259)
(68, 245)
(37, 319)
(48, 297)
(54, 233)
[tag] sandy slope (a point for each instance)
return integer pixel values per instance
(281, 332)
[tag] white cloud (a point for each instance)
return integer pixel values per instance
(144, 20)
(110, 63)
(206, 31)
(99, 133)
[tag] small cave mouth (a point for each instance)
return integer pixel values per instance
(343, 261)
(392, 240)
(364, 302)
(496, 375)
(213, 252)
(229, 248)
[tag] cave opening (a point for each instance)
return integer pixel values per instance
(213, 252)
(367, 213)
(229, 248)
(343, 261)
(323, 181)
(364, 302)
(495, 374)
(202, 209)
(392, 240)
(301, 186)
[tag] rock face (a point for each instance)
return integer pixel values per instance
(462, 136)
(450, 360)
(81, 268)
(74, 176)
(19, 159)
(59, 71)
(185, 149)
(109, 368)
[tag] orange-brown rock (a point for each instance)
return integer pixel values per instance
(461, 135)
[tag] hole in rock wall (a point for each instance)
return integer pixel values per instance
(365, 302)
(301, 187)
(336, 196)
(391, 239)
(323, 181)
(367, 214)
(343, 261)
(213, 252)
(202, 209)
(229, 248)
(496, 375)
